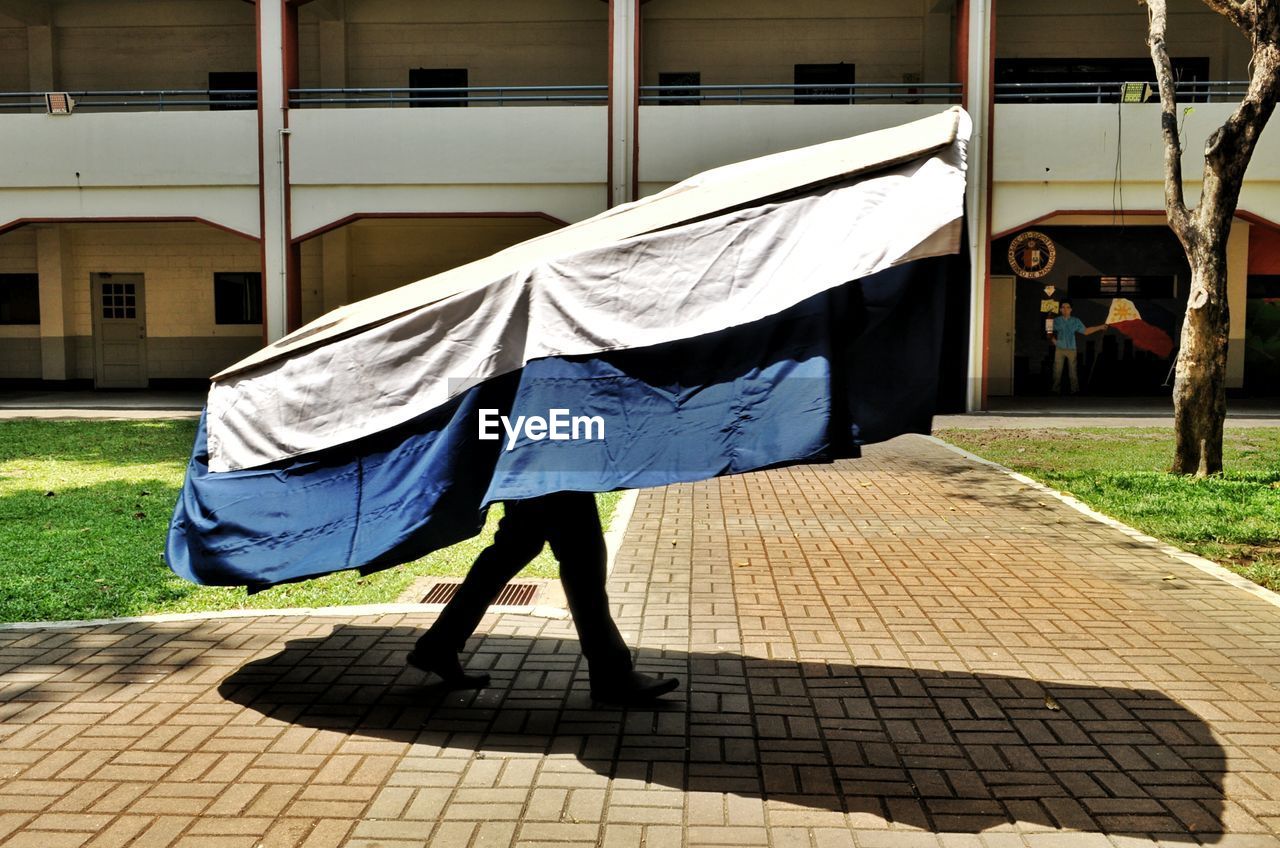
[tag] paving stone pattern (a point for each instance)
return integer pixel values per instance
(907, 650)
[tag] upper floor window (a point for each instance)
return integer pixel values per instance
(674, 91)
(826, 83)
(233, 90)
(438, 78)
(1123, 286)
(19, 299)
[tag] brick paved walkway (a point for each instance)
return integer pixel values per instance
(908, 650)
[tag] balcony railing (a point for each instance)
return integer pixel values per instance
(1213, 91)
(153, 100)
(684, 95)
(482, 95)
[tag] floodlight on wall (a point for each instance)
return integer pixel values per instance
(59, 103)
(1135, 92)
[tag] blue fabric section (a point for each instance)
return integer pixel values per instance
(854, 365)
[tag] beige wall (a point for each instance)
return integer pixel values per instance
(13, 59)
(500, 42)
(178, 261)
(1105, 28)
(144, 44)
(19, 344)
(18, 251)
(760, 41)
(372, 256)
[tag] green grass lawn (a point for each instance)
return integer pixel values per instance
(1232, 519)
(84, 507)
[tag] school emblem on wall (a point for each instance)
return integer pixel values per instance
(1032, 254)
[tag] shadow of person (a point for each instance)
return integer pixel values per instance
(940, 750)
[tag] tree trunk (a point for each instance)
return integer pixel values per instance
(1200, 382)
(1200, 388)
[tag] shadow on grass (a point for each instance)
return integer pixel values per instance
(119, 443)
(943, 751)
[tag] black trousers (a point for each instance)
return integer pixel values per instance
(569, 522)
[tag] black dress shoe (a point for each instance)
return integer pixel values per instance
(631, 688)
(445, 665)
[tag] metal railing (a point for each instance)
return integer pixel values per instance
(153, 100)
(916, 92)
(481, 95)
(1210, 91)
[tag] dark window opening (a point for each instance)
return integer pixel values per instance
(826, 83)
(1041, 79)
(232, 90)
(1265, 286)
(674, 93)
(437, 78)
(1123, 286)
(19, 299)
(237, 297)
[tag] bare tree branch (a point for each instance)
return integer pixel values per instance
(1174, 198)
(1236, 11)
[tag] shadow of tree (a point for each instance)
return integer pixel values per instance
(943, 751)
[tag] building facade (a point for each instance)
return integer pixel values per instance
(185, 180)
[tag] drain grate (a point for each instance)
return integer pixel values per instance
(512, 594)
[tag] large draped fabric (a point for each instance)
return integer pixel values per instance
(784, 310)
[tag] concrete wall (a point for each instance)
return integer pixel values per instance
(742, 41)
(152, 164)
(500, 42)
(730, 135)
(1064, 157)
(1109, 29)
(355, 161)
(150, 43)
(13, 59)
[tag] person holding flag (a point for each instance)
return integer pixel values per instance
(1065, 327)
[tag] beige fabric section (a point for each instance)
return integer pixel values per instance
(677, 283)
(703, 194)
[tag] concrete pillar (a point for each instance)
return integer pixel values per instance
(1237, 292)
(53, 265)
(272, 103)
(977, 17)
(335, 253)
(623, 82)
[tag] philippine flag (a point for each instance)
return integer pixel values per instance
(1124, 317)
(787, 309)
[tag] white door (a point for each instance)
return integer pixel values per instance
(119, 332)
(1000, 341)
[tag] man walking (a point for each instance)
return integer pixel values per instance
(569, 522)
(1065, 327)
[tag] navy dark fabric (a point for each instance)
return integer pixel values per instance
(854, 365)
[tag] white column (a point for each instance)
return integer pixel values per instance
(622, 92)
(272, 128)
(977, 102)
